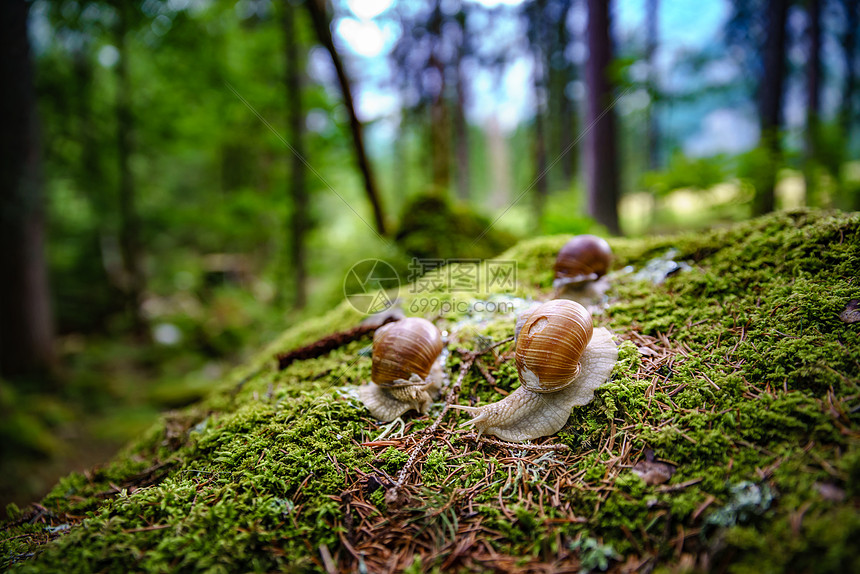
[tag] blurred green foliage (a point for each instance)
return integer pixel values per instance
(686, 172)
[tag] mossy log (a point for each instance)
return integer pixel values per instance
(728, 439)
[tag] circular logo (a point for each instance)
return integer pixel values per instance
(371, 286)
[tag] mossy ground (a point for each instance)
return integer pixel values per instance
(738, 372)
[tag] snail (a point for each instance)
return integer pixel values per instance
(404, 370)
(579, 268)
(583, 258)
(561, 359)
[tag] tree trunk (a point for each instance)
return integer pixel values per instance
(440, 148)
(813, 100)
(91, 174)
(26, 330)
(540, 86)
(320, 20)
(400, 172)
(541, 175)
(849, 47)
(499, 163)
(770, 111)
(567, 121)
(652, 11)
(130, 247)
(600, 155)
(461, 127)
(846, 112)
(566, 141)
(299, 219)
(440, 135)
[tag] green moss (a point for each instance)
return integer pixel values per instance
(757, 383)
(432, 228)
(393, 460)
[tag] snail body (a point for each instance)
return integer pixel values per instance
(561, 359)
(405, 371)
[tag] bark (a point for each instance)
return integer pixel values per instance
(601, 164)
(566, 145)
(770, 110)
(90, 161)
(130, 246)
(813, 99)
(440, 149)
(401, 154)
(846, 112)
(461, 127)
(567, 124)
(322, 27)
(334, 341)
(500, 165)
(26, 330)
(541, 175)
(652, 11)
(849, 47)
(298, 226)
(540, 85)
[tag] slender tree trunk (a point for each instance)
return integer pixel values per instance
(540, 86)
(652, 11)
(500, 165)
(401, 155)
(440, 140)
(846, 112)
(440, 134)
(130, 246)
(90, 161)
(26, 330)
(553, 77)
(91, 175)
(770, 111)
(813, 100)
(567, 123)
(541, 175)
(849, 49)
(297, 187)
(601, 164)
(461, 127)
(320, 20)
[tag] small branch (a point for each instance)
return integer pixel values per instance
(329, 343)
(516, 445)
(679, 486)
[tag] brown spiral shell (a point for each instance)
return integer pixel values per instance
(403, 348)
(550, 344)
(583, 258)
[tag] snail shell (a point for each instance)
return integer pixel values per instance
(550, 344)
(404, 371)
(522, 318)
(531, 411)
(402, 349)
(583, 258)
